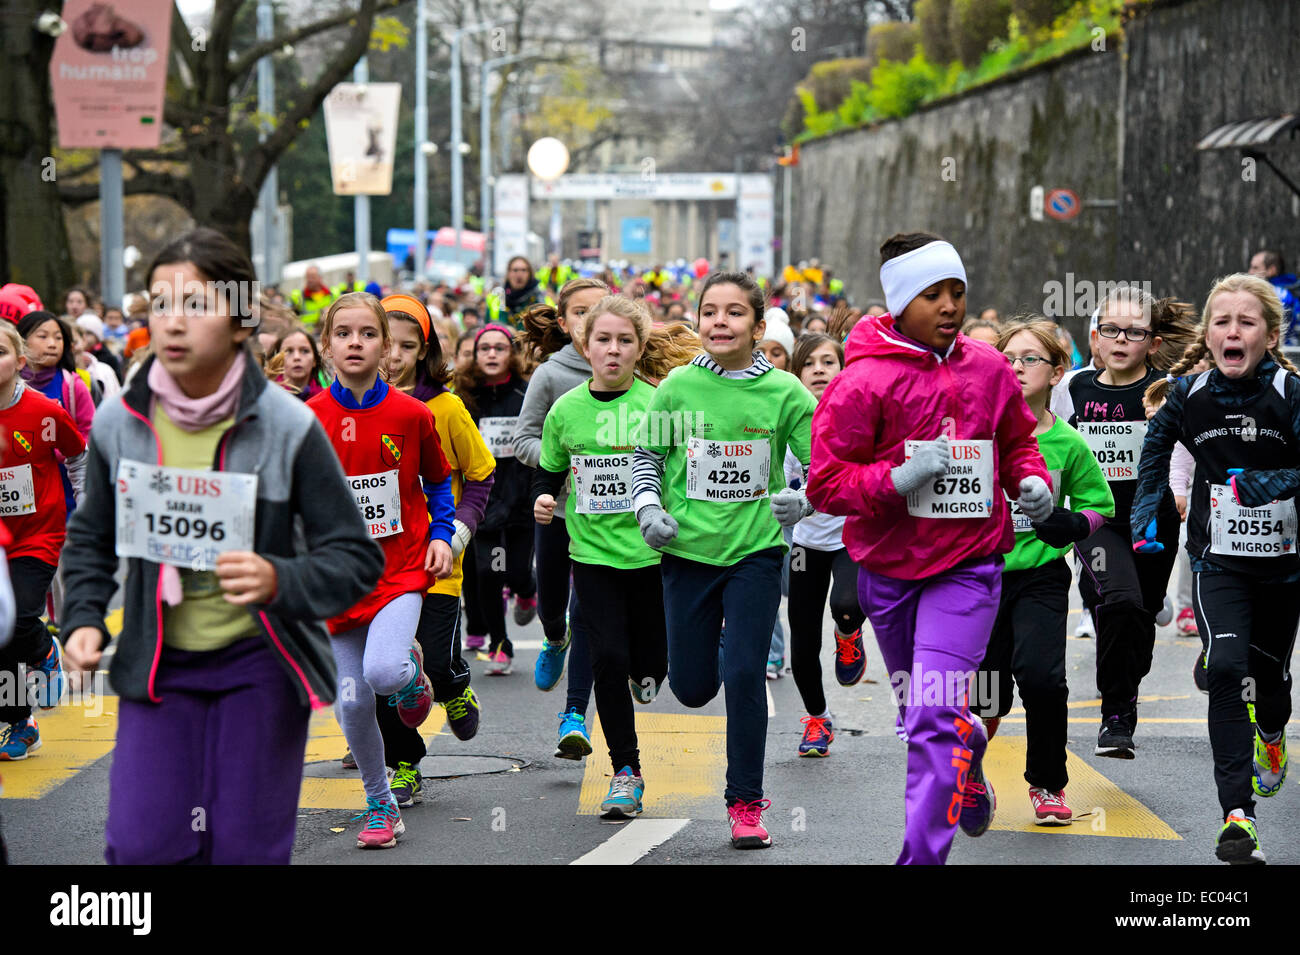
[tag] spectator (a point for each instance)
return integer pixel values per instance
(1269, 265)
(92, 329)
(313, 298)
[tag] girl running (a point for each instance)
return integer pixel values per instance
(1241, 422)
(51, 368)
(493, 391)
(296, 364)
(387, 444)
(557, 332)
(911, 443)
(471, 484)
(1122, 590)
(1027, 645)
(820, 563)
(706, 494)
(37, 436)
(591, 431)
(217, 671)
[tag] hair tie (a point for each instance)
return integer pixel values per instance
(1171, 379)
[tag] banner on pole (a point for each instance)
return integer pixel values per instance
(361, 131)
(109, 73)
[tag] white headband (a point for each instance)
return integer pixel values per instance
(906, 277)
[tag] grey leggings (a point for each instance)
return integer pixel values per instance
(374, 659)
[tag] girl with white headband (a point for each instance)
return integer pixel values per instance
(915, 443)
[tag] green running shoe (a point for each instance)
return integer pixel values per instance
(1270, 765)
(1238, 841)
(406, 785)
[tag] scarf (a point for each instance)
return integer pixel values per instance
(192, 414)
(39, 380)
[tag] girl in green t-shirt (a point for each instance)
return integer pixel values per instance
(589, 435)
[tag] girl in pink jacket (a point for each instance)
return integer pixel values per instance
(915, 443)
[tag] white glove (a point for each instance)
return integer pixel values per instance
(1035, 499)
(928, 461)
(789, 506)
(459, 538)
(657, 526)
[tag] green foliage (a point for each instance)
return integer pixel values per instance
(975, 24)
(1039, 14)
(932, 20)
(895, 89)
(895, 41)
(898, 88)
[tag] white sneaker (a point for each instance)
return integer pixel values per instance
(1084, 629)
(1166, 615)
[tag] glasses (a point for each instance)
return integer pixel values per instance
(1130, 334)
(493, 348)
(1029, 361)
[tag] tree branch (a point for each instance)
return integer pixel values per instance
(248, 59)
(218, 54)
(182, 43)
(265, 154)
(142, 183)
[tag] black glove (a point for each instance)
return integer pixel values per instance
(1063, 528)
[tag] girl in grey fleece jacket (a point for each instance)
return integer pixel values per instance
(552, 331)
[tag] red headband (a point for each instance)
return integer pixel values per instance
(493, 327)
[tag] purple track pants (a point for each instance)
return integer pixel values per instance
(932, 635)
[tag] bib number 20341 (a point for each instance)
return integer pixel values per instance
(964, 490)
(182, 517)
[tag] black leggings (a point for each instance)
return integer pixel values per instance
(1250, 626)
(812, 574)
(621, 614)
(1027, 648)
(438, 634)
(503, 558)
(474, 622)
(1124, 591)
(31, 642)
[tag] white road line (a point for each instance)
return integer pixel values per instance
(771, 703)
(633, 841)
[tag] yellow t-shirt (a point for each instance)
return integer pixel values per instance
(467, 454)
(203, 620)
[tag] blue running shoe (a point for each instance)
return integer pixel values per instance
(550, 663)
(575, 741)
(624, 799)
(978, 803)
(850, 658)
(817, 736)
(19, 740)
(48, 677)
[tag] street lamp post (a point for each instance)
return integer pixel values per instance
(485, 155)
(457, 157)
(548, 158)
(421, 137)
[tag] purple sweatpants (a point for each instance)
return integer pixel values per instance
(211, 774)
(932, 635)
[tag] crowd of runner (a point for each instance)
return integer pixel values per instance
(335, 497)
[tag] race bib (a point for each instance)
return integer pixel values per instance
(1237, 531)
(602, 483)
(17, 491)
(1117, 446)
(727, 470)
(499, 434)
(964, 490)
(182, 517)
(379, 499)
(1020, 522)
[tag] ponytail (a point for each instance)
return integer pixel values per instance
(1158, 390)
(542, 334)
(1178, 327)
(667, 347)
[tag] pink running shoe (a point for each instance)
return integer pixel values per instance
(381, 824)
(498, 664)
(1186, 623)
(747, 830)
(1049, 807)
(415, 700)
(475, 641)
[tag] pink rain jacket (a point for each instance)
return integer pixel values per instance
(893, 390)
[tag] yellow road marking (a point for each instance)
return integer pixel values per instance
(1092, 720)
(325, 742)
(71, 739)
(1110, 810)
(1089, 704)
(683, 759)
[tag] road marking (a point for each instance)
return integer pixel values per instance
(1090, 704)
(771, 703)
(1120, 814)
(684, 759)
(632, 842)
(72, 738)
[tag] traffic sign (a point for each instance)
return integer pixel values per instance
(1062, 204)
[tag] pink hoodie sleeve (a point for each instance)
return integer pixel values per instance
(845, 478)
(85, 404)
(1018, 453)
